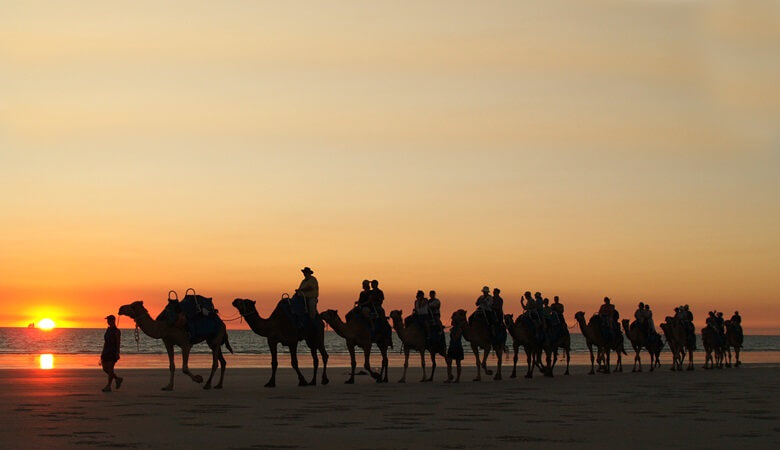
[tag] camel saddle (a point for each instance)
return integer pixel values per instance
(195, 313)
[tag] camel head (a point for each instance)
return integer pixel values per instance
(244, 306)
(580, 316)
(396, 314)
(133, 310)
(329, 316)
(509, 320)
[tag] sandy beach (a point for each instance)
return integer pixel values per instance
(701, 409)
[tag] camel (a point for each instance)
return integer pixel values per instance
(677, 337)
(710, 340)
(734, 339)
(357, 333)
(478, 335)
(413, 338)
(524, 334)
(551, 347)
(176, 336)
(593, 336)
(638, 341)
(279, 328)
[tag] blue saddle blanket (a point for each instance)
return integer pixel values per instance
(202, 318)
(295, 310)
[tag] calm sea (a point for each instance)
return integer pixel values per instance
(15, 343)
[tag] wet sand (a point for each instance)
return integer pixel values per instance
(710, 409)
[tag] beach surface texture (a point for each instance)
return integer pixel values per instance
(60, 408)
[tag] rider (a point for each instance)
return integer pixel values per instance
(376, 297)
(736, 320)
(557, 307)
(650, 322)
(310, 290)
(434, 308)
(364, 304)
(422, 312)
(607, 314)
(434, 311)
(485, 305)
(498, 308)
(640, 315)
(720, 325)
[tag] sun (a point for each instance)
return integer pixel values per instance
(46, 324)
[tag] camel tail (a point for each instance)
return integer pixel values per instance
(227, 344)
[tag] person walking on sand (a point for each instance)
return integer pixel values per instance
(110, 354)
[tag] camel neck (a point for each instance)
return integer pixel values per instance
(398, 324)
(150, 327)
(339, 326)
(257, 323)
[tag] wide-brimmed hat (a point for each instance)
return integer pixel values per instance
(485, 289)
(307, 269)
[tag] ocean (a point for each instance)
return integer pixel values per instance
(21, 347)
(90, 341)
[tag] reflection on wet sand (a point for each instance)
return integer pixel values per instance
(46, 361)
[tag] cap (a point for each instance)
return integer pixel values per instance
(485, 289)
(111, 317)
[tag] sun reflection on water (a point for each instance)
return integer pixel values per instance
(46, 361)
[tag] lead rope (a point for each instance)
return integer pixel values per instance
(137, 337)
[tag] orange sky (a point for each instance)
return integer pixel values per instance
(582, 149)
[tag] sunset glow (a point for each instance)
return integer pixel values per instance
(46, 324)
(574, 148)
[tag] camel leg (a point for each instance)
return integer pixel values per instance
(479, 367)
(690, 359)
(274, 363)
(316, 362)
(223, 366)
(736, 355)
(728, 356)
(484, 362)
(324, 354)
(592, 372)
(353, 363)
(385, 364)
(636, 358)
(406, 364)
(433, 365)
(214, 365)
(514, 366)
(294, 363)
(185, 358)
(529, 356)
(449, 370)
(422, 363)
(499, 356)
(607, 361)
(548, 359)
(367, 363)
(171, 366)
(568, 357)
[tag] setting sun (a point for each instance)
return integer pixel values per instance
(46, 324)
